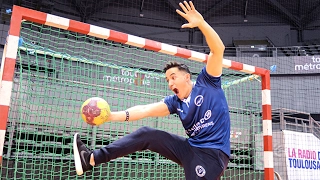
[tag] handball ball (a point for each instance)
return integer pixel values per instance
(95, 111)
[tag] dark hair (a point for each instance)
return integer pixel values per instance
(181, 67)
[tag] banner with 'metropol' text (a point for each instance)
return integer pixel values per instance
(307, 64)
(302, 155)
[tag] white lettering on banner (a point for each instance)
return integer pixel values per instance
(308, 66)
(302, 155)
(131, 77)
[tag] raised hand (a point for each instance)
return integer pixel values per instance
(190, 14)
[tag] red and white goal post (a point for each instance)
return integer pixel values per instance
(20, 14)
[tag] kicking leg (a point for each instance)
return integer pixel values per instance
(168, 145)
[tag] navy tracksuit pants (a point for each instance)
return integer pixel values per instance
(198, 163)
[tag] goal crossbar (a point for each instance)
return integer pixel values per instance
(20, 14)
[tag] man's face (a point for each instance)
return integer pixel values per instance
(178, 82)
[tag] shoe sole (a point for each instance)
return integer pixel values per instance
(76, 156)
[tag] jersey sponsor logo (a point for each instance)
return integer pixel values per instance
(207, 115)
(200, 171)
(198, 100)
(180, 110)
(195, 129)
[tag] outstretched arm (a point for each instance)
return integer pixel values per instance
(195, 19)
(158, 109)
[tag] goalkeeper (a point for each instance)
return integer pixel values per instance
(201, 106)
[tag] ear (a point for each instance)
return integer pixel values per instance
(187, 76)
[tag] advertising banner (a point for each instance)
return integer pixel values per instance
(302, 155)
(307, 64)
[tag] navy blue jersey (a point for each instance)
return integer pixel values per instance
(204, 114)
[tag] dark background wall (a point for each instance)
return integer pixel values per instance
(284, 22)
(286, 30)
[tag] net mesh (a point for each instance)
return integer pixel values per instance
(158, 20)
(57, 70)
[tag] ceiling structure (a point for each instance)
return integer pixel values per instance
(300, 15)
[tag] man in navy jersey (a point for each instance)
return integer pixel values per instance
(201, 106)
